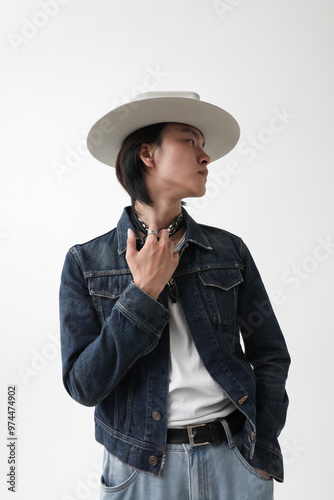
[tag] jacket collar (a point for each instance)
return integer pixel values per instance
(194, 233)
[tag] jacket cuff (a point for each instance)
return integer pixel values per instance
(143, 309)
(267, 459)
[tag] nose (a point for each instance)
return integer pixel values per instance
(204, 158)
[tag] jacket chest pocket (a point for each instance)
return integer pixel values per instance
(105, 291)
(221, 287)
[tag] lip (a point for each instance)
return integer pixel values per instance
(204, 172)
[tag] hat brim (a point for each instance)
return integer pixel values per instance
(221, 131)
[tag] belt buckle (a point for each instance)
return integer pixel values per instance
(191, 435)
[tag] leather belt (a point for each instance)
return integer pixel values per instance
(197, 435)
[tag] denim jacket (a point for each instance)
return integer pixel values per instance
(115, 343)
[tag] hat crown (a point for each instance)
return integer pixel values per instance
(162, 93)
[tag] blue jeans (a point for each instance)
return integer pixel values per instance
(209, 472)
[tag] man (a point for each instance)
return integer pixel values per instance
(151, 317)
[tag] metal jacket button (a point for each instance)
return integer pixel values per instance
(156, 415)
(153, 461)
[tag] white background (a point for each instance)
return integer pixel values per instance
(66, 64)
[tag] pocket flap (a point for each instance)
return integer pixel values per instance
(111, 286)
(224, 278)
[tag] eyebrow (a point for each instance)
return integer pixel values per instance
(194, 133)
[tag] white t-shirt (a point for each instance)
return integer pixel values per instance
(194, 397)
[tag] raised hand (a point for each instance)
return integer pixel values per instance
(152, 266)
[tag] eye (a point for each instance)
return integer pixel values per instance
(191, 141)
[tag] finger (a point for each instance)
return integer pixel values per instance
(131, 243)
(176, 258)
(153, 227)
(164, 235)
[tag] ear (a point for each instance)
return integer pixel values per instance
(146, 154)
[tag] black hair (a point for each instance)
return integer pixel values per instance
(130, 168)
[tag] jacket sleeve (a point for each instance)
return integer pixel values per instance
(95, 359)
(266, 350)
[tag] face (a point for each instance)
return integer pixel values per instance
(179, 165)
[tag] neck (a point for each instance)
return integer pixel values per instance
(160, 214)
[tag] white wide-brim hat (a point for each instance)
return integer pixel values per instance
(220, 130)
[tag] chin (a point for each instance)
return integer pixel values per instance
(200, 193)
(195, 195)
